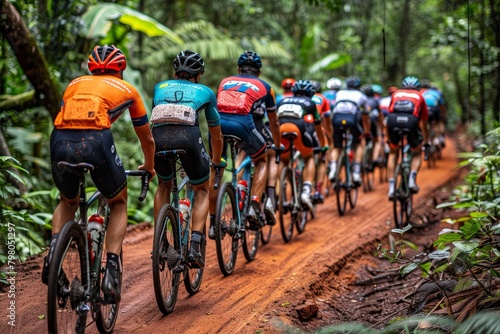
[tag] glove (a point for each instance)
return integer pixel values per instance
(278, 149)
(325, 148)
(222, 164)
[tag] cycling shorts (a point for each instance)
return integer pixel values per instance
(306, 140)
(264, 130)
(195, 162)
(341, 122)
(95, 147)
(404, 121)
(373, 126)
(243, 126)
(434, 114)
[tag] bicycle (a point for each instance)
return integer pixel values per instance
(432, 152)
(292, 212)
(231, 222)
(344, 186)
(78, 264)
(403, 197)
(171, 240)
(368, 167)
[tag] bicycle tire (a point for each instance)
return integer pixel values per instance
(105, 315)
(251, 239)
(266, 231)
(286, 204)
(401, 196)
(68, 264)
(194, 276)
(226, 229)
(368, 169)
(341, 185)
(165, 257)
(352, 193)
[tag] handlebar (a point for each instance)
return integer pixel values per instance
(144, 180)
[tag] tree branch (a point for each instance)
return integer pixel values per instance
(18, 102)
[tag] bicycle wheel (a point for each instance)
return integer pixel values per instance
(251, 239)
(265, 232)
(166, 249)
(401, 198)
(341, 185)
(286, 204)
(226, 229)
(194, 276)
(368, 168)
(352, 191)
(67, 281)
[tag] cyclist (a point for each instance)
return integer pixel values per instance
(294, 114)
(377, 91)
(333, 85)
(436, 107)
(407, 110)
(324, 110)
(176, 106)
(375, 120)
(287, 85)
(238, 98)
(82, 133)
(350, 108)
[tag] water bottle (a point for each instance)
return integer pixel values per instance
(184, 213)
(94, 229)
(243, 190)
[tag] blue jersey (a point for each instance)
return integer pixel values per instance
(330, 96)
(181, 101)
(433, 97)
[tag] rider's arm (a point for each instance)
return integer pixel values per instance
(274, 123)
(143, 132)
(213, 122)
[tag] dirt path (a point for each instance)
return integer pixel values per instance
(260, 296)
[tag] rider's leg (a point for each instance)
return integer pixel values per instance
(356, 166)
(162, 196)
(416, 162)
(200, 209)
(308, 180)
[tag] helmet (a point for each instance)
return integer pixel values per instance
(303, 87)
(411, 83)
(190, 62)
(334, 83)
(426, 83)
(377, 89)
(316, 85)
(353, 82)
(367, 89)
(392, 89)
(105, 59)
(287, 83)
(250, 58)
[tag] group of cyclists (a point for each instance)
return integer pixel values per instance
(245, 106)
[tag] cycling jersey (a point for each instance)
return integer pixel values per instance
(349, 101)
(322, 104)
(384, 104)
(409, 101)
(280, 97)
(298, 107)
(245, 94)
(330, 96)
(433, 97)
(95, 102)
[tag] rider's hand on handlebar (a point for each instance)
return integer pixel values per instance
(150, 171)
(220, 165)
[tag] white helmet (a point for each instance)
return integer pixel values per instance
(334, 83)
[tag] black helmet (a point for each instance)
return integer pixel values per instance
(367, 89)
(426, 83)
(316, 85)
(250, 58)
(303, 87)
(410, 83)
(353, 82)
(190, 62)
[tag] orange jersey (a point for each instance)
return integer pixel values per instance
(96, 101)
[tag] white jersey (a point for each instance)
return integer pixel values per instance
(349, 101)
(384, 103)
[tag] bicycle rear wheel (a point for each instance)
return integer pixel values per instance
(341, 185)
(166, 249)
(194, 276)
(286, 204)
(251, 238)
(226, 229)
(402, 198)
(368, 168)
(67, 282)
(352, 191)
(266, 231)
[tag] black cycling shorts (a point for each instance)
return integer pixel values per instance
(95, 147)
(434, 114)
(195, 162)
(264, 130)
(404, 121)
(343, 121)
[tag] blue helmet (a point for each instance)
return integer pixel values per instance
(250, 58)
(303, 87)
(353, 82)
(410, 83)
(377, 89)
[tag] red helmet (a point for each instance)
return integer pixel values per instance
(105, 59)
(287, 83)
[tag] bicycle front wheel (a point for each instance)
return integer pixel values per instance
(194, 276)
(286, 204)
(341, 184)
(251, 239)
(68, 282)
(368, 168)
(226, 229)
(166, 249)
(265, 232)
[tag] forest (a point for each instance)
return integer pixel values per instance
(45, 44)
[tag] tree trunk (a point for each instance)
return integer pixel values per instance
(461, 98)
(404, 35)
(482, 99)
(495, 19)
(4, 151)
(33, 63)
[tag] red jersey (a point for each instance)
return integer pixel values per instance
(322, 104)
(409, 101)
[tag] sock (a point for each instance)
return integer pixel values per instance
(212, 219)
(356, 167)
(196, 238)
(319, 185)
(306, 188)
(271, 192)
